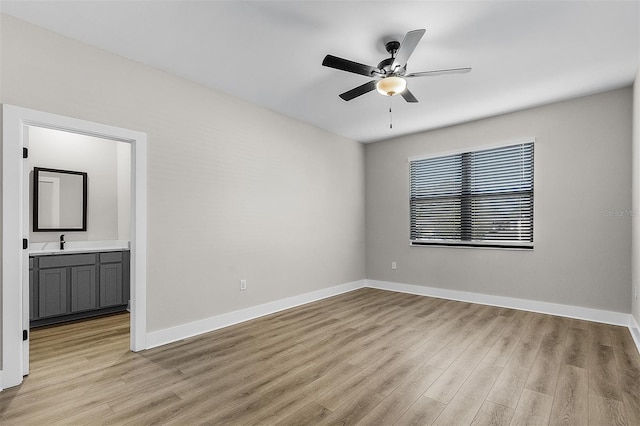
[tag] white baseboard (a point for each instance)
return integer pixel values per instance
(173, 334)
(596, 315)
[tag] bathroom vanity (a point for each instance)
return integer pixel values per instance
(70, 285)
(70, 280)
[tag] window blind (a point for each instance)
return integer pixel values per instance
(480, 198)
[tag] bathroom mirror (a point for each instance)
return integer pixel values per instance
(59, 200)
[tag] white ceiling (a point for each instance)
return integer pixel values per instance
(523, 53)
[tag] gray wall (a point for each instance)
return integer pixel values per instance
(234, 191)
(635, 253)
(582, 228)
(108, 176)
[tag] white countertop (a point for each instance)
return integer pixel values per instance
(70, 247)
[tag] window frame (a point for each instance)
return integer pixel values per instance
(507, 245)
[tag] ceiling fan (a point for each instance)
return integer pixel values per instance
(389, 76)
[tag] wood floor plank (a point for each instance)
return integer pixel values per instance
(367, 357)
(84, 417)
(462, 340)
(145, 412)
(447, 385)
(544, 371)
(423, 412)
(628, 364)
(311, 413)
(504, 346)
(534, 408)
(380, 352)
(456, 374)
(603, 374)
(599, 334)
(576, 347)
(626, 353)
(419, 382)
(630, 381)
(606, 411)
(571, 400)
(250, 404)
(491, 414)
(322, 379)
(353, 410)
(513, 377)
(388, 411)
(334, 397)
(389, 377)
(464, 406)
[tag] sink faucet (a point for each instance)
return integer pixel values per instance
(62, 241)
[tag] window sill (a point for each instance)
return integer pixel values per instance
(453, 244)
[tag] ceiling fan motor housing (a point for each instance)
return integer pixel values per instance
(385, 65)
(392, 47)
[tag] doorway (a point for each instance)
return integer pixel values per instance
(15, 226)
(78, 203)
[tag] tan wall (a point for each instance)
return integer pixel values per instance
(582, 224)
(234, 191)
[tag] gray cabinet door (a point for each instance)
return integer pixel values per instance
(52, 287)
(111, 284)
(84, 288)
(33, 305)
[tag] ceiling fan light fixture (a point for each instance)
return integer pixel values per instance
(390, 86)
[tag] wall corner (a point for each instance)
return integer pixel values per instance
(635, 222)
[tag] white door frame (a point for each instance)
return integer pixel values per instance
(14, 125)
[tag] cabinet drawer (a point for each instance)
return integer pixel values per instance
(67, 260)
(111, 256)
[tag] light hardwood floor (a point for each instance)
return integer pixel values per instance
(365, 357)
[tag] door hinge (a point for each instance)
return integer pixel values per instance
(25, 335)
(25, 152)
(25, 244)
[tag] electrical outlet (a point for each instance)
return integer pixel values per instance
(394, 265)
(243, 284)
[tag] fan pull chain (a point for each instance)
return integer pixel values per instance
(390, 112)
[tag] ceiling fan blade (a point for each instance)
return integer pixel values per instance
(407, 47)
(408, 96)
(349, 66)
(438, 72)
(359, 91)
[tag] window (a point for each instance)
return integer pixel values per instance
(481, 198)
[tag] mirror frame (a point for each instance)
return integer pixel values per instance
(36, 175)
